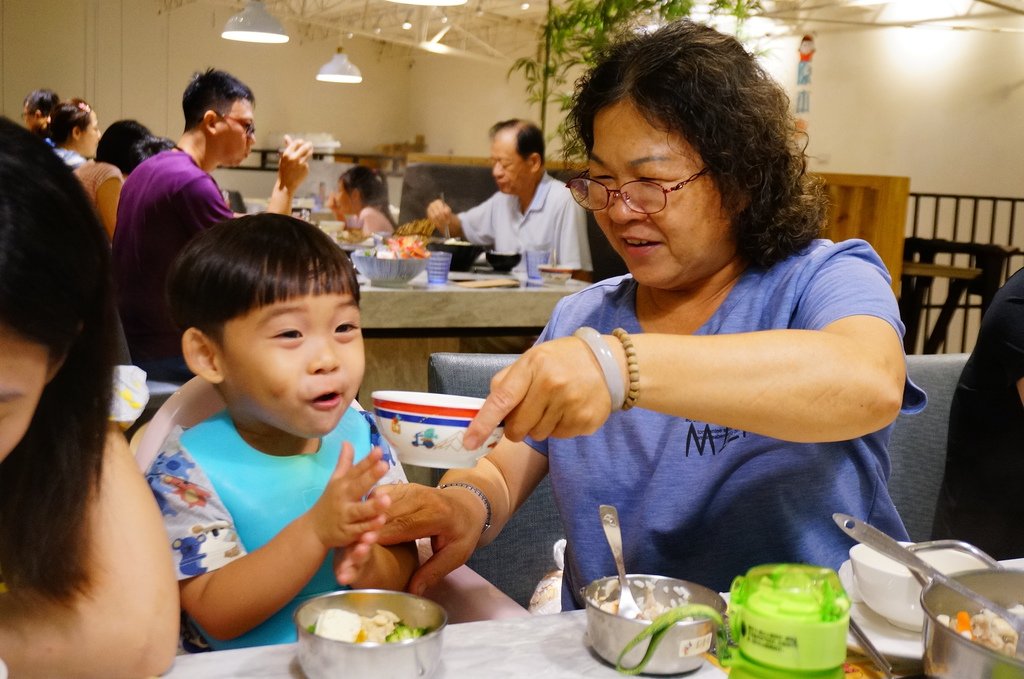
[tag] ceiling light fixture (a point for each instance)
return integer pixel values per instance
(339, 70)
(254, 24)
(407, 24)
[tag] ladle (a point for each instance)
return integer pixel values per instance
(925, 573)
(610, 523)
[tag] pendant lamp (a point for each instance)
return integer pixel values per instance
(254, 24)
(339, 70)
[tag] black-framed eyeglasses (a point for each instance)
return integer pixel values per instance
(639, 195)
(250, 125)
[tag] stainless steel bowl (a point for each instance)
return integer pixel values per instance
(681, 647)
(947, 655)
(322, 658)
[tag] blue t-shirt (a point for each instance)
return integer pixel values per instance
(703, 502)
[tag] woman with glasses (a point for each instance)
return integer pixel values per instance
(731, 392)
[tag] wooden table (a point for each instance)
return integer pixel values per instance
(983, 276)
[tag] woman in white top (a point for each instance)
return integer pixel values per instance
(363, 192)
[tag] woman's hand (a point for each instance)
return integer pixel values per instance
(554, 389)
(452, 518)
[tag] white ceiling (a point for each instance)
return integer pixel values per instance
(503, 30)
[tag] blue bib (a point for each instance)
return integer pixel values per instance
(264, 493)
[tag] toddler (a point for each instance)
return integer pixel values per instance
(259, 498)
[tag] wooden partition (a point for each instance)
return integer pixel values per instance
(872, 207)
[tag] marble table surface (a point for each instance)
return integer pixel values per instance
(532, 647)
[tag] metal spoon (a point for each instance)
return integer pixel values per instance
(925, 573)
(610, 523)
(868, 647)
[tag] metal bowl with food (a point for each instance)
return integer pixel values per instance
(683, 645)
(323, 621)
(463, 252)
(950, 654)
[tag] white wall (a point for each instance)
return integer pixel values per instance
(944, 108)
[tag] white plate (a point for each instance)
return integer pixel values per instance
(891, 641)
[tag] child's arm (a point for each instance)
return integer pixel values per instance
(242, 594)
(385, 567)
(127, 623)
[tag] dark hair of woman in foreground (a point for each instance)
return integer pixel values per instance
(55, 291)
(689, 79)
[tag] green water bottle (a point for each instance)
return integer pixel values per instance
(787, 621)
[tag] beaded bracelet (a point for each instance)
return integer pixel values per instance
(479, 493)
(603, 353)
(632, 365)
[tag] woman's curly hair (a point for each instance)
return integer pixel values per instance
(690, 79)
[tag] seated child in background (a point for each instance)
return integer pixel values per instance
(363, 192)
(257, 497)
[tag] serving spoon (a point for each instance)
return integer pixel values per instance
(923, 571)
(610, 523)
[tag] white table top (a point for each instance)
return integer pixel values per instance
(532, 647)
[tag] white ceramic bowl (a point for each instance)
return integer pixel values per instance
(892, 591)
(323, 658)
(426, 429)
(388, 273)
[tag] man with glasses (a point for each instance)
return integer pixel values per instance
(530, 211)
(172, 196)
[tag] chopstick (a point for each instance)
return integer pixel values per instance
(448, 235)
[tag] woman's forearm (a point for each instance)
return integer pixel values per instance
(798, 385)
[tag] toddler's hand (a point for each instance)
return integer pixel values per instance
(341, 517)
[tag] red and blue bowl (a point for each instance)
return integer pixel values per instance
(426, 429)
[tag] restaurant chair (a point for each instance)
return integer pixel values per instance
(917, 447)
(983, 275)
(466, 596)
(522, 554)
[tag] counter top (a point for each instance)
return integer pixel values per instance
(455, 307)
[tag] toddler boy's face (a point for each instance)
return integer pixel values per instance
(291, 369)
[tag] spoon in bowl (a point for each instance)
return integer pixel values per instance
(610, 523)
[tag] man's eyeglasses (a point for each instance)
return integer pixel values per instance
(250, 125)
(640, 195)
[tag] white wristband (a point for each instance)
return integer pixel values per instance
(603, 353)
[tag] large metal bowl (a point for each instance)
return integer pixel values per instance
(683, 645)
(322, 658)
(947, 655)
